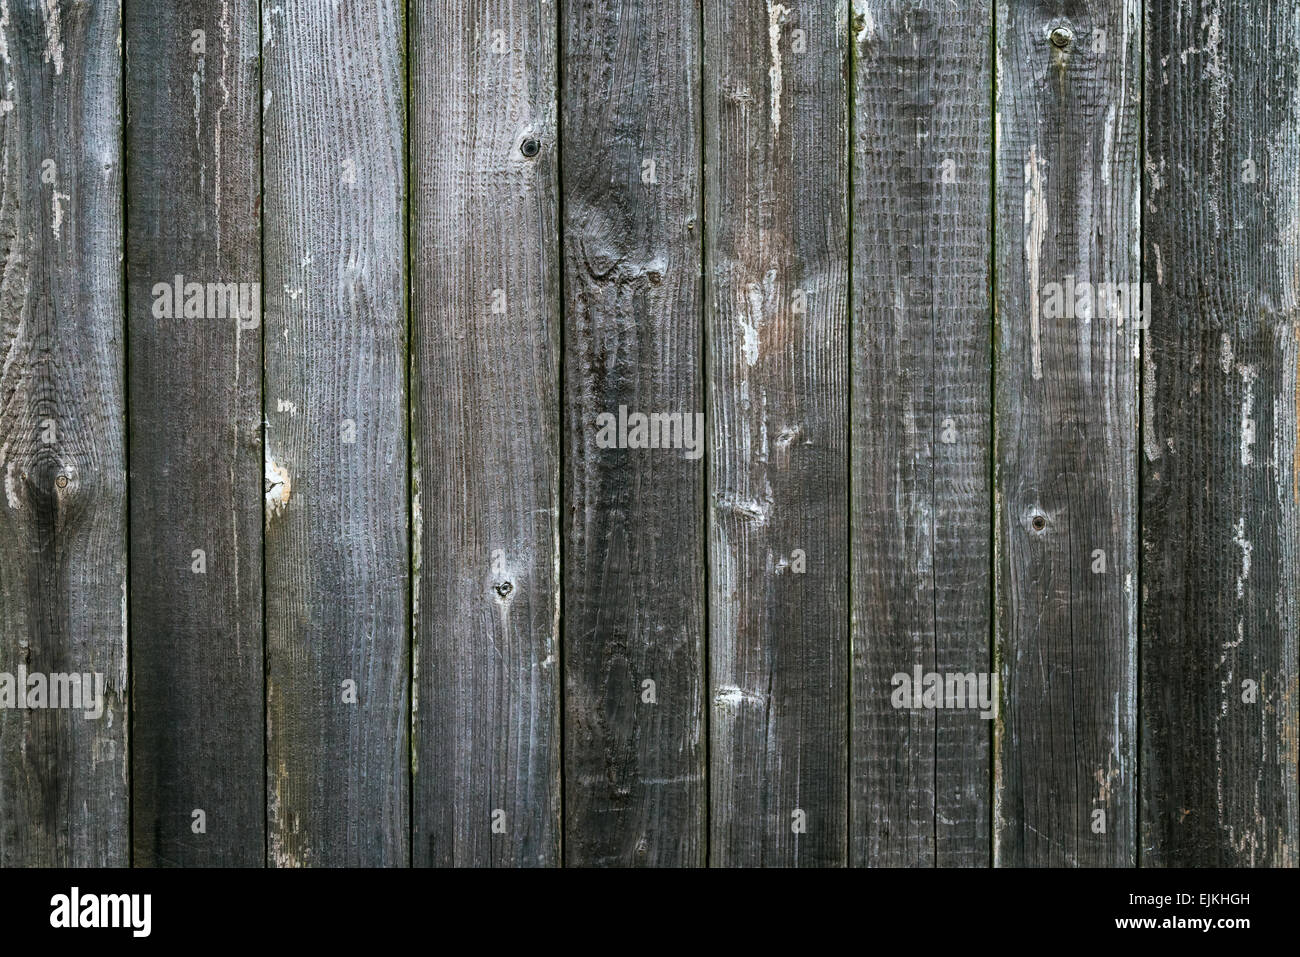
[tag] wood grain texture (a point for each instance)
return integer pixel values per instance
(337, 559)
(776, 186)
(193, 143)
(63, 775)
(634, 543)
(1066, 429)
(485, 310)
(921, 425)
(1221, 472)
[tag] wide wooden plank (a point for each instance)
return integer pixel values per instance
(63, 598)
(1066, 429)
(634, 540)
(336, 469)
(192, 183)
(776, 192)
(921, 427)
(485, 381)
(1221, 461)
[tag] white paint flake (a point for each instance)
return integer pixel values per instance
(1239, 539)
(11, 488)
(1248, 377)
(1035, 230)
(53, 35)
(777, 14)
(279, 486)
(730, 696)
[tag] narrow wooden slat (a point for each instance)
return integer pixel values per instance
(634, 542)
(337, 568)
(776, 190)
(485, 309)
(921, 426)
(193, 176)
(63, 553)
(1221, 470)
(1066, 430)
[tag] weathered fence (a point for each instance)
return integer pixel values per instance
(691, 432)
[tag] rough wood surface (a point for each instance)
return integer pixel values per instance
(192, 183)
(485, 381)
(336, 470)
(921, 425)
(1065, 434)
(1221, 462)
(634, 518)
(776, 187)
(63, 775)
(394, 596)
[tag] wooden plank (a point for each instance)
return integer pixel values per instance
(921, 426)
(192, 181)
(63, 772)
(1221, 470)
(485, 376)
(776, 188)
(1065, 434)
(634, 543)
(337, 562)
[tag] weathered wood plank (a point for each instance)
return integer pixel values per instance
(634, 540)
(1066, 429)
(192, 183)
(337, 564)
(63, 772)
(485, 377)
(776, 191)
(1221, 466)
(921, 426)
